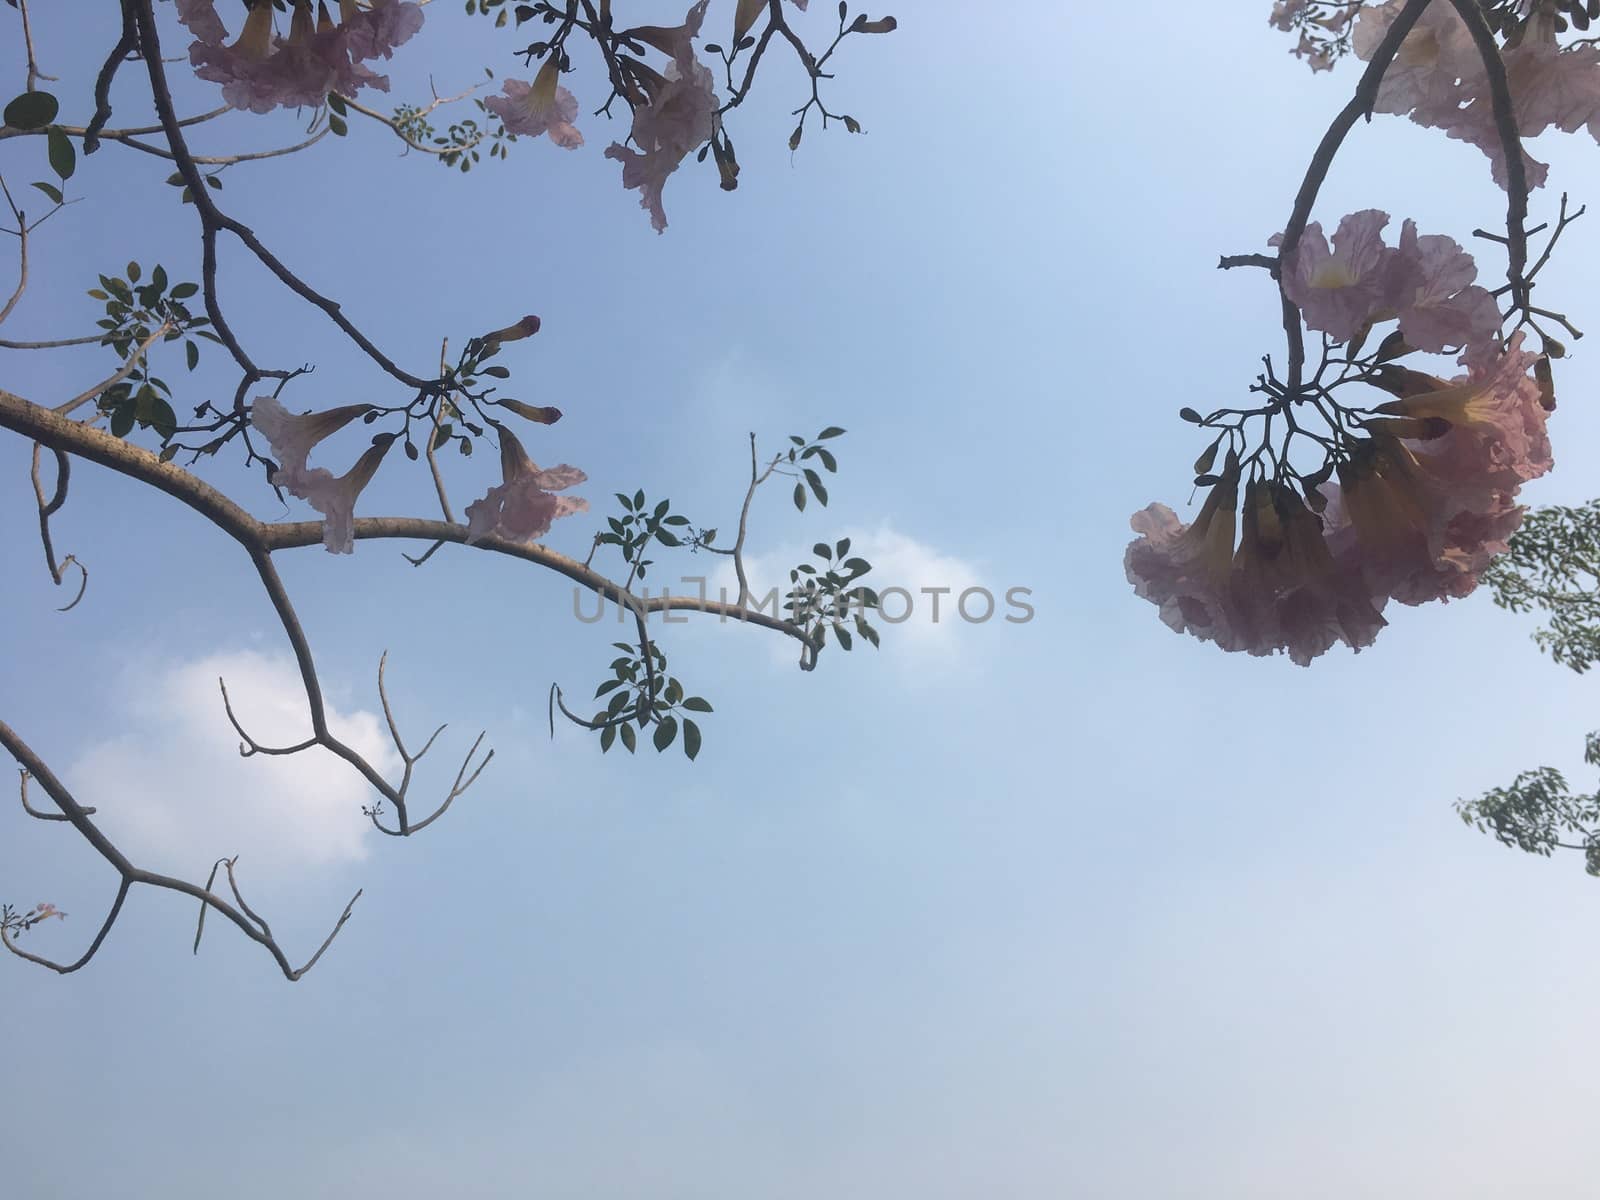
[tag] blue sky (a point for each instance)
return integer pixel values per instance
(1075, 907)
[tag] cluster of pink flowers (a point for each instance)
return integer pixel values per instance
(1333, 20)
(1438, 79)
(1420, 509)
(1426, 283)
(292, 437)
(260, 70)
(520, 509)
(680, 118)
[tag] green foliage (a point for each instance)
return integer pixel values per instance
(32, 110)
(461, 144)
(1553, 567)
(799, 452)
(1538, 813)
(135, 310)
(640, 526)
(641, 697)
(829, 597)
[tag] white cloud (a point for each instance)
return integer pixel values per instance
(174, 793)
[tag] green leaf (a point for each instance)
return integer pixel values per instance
(823, 550)
(337, 125)
(696, 704)
(191, 352)
(133, 272)
(63, 158)
(184, 290)
(638, 499)
(667, 539)
(816, 486)
(665, 732)
(828, 459)
(691, 739)
(607, 736)
(800, 497)
(162, 419)
(867, 631)
(630, 737)
(832, 431)
(50, 189)
(606, 687)
(122, 419)
(32, 110)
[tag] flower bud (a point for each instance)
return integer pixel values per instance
(526, 327)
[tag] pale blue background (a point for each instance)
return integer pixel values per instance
(1073, 908)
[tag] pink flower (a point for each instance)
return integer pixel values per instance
(200, 18)
(1497, 420)
(1284, 12)
(680, 118)
(1438, 79)
(376, 31)
(1443, 309)
(1184, 569)
(260, 71)
(1316, 50)
(521, 509)
(335, 496)
(1286, 587)
(675, 41)
(1338, 292)
(1424, 518)
(521, 112)
(1406, 529)
(1422, 79)
(292, 437)
(1426, 283)
(1281, 590)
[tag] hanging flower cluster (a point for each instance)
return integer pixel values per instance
(260, 70)
(1408, 497)
(1324, 28)
(292, 437)
(681, 115)
(1438, 78)
(520, 509)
